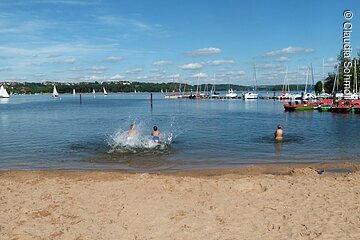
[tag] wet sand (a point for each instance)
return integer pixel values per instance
(250, 203)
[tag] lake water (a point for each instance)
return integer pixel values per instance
(38, 132)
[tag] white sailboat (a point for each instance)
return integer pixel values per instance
(252, 94)
(93, 91)
(105, 92)
(307, 94)
(74, 93)
(213, 93)
(3, 92)
(323, 94)
(285, 91)
(55, 93)
(231, 94)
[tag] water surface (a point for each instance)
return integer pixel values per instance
(38, 132)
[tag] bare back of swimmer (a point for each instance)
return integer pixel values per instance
(278, 134)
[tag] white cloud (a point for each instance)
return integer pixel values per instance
(113, 59)
(271, 65)
(289, 50)
(282, 59)
(134, 70)
(205, 51)
(200, 75)
(240, 73)
(93, 78)
(142, 77)
(156, 70)
(102, 69)
(221, 62)
(161, 62)
(191, 66)
(68, 61)
(40, 75)
(174, 76)
(117, 77)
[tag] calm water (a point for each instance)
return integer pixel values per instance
(38, 132)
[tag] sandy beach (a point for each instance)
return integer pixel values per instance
(251, 203)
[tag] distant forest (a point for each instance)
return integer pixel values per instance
(87, 87)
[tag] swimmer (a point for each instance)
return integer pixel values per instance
(278, 134)
(155, 135)
(132, 131)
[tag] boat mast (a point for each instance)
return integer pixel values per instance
(323, 77)
(285, 87)
(213, 86)
(297, 80)
(307, 79)
(197, 87)
(335, 79)
(254, 79)
(312, 78)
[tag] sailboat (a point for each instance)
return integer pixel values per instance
(93, 91)
(231, 93)
(55, 93)
(74, 93)
(213, 93)
(323, 94)
(3, 92)
(307, 94)
(105, 92)
(285, 95)
(252, 94)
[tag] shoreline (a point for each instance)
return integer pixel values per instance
(254, 203)
(248, 169)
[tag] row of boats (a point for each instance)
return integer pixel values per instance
(325, 105)
(231, 94)
(55, 93)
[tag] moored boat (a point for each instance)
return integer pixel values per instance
(231, 94)
(250, 95)
(342, 106)
(324, 107)
(173, 96)
(305, 106)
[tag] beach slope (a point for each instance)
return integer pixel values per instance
(297, 204)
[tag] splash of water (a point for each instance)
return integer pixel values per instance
(141, 141)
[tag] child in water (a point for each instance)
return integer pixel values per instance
(132, 131)
(155, 135)
(278, 134)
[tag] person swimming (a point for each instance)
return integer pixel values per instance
(278, 134)
(155, 135)
(132, 131)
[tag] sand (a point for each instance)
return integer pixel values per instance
(294, 203)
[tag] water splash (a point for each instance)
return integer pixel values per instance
(141, 142)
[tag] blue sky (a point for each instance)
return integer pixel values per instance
(171, 40)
